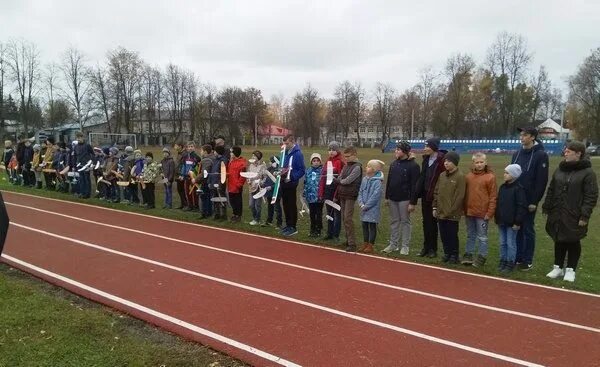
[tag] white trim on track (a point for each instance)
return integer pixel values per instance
(157, 314)
(365, 320)
(357, 279)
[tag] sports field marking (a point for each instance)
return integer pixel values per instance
(349, 277)
(284, 240)
(292, 300)
(157, 314)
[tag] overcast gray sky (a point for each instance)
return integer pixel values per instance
(280, 46)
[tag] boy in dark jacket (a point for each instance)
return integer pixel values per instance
(178, 159)
(289, 183)
(511, 209)
(206, 164)
(84, 154)
(401, 185)
(347, 192)
(168, 173)
(534, 177)
(217, 189)
(432, 167)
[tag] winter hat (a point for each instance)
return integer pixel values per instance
(97, 150)
(237, 151)
(7, 143)
(128, 149)
(514, 170)
(105, 150)
(433, 143)
(258, 154)
(404, 146)
(114, 150)
(166, 150)
(315, 155)
(452, 157)
(334, 146)
(149, 154)
(36, 147)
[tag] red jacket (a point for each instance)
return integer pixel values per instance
(338, 165)
(236, 182)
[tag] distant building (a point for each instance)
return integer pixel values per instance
(272, 134)
(551, 129)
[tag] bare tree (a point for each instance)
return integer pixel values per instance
(3, 69)
(51, 81)
(508, 60)
(459, 70)
(124, 69)
(344, 106)
(102, 93)
(541, 85)
(585, 96)
(174, 87)
(23, 61)
(307, 113)
(77, 81)
(208, 124)
(428, 91)
(384, 110)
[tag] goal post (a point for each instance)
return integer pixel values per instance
(111, 139)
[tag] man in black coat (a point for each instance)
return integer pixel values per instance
(3, 223)
(84, 154)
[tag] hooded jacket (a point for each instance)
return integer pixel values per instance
(571, 197)
(428, 178)
(311, 184)
(534, 167)
(402, 180)
(235, 183)
(298, 168)
(480, 198)
(369, 198)
(512, 204)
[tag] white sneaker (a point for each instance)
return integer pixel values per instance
(253, 223)
(569, 275)
(390, 248)
(404, 250)
(556, 272)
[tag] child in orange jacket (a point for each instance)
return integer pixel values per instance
(235, 186)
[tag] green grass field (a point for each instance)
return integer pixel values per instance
(588, 273)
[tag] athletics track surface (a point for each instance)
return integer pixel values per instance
(273, 302)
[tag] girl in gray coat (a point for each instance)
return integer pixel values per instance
(369, 201)
(570, 199)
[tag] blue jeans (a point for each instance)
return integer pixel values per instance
(169, 194)
(526, 239)
(255, 207)
(508, 243)
(477, 230)
(207, 205)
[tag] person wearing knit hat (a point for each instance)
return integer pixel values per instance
(511, 210)
(431, 169)
(452, 157)
(312, 179)
(514, 170)
(334, 146)
(401, 184)
(128, 149)
(448, 205)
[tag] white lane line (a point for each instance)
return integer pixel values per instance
(320, 271)
(321, 247)
(157, 314)
(292, 300)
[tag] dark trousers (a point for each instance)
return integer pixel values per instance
(316, 217)
(561, 249)
(50, 179)
(274, 210)
(168, 194)
(133, 193)
(207, 205)
(148, 195)
(290, 207)
(430, 227)
(236, 202)
(334, 227)
(85, 184)
(369, 232)
(181, 192)
(526, 239)
(449, 235)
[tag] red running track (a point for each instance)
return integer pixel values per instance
(275, 302)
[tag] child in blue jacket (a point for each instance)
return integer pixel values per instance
(311, 195)
(369, 201)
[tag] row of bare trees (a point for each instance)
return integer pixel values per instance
(463, 99)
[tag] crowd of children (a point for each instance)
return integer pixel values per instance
(337, 185)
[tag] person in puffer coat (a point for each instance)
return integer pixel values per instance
(311, 195)
(570, 200)
(369, 201)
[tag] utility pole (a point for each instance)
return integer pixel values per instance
(412, 123)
